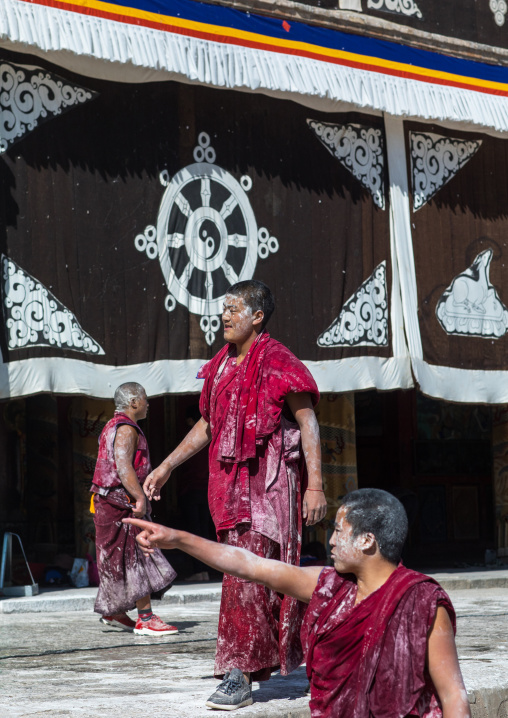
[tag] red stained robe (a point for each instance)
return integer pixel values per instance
(368, 660)
(254, 492)
(125, 573)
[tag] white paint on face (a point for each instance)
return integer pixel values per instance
(237, 320)
(346, 550)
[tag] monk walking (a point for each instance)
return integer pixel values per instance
(378, 637)
(257, 414)
(127, 577)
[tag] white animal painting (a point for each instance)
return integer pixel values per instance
(471, 305)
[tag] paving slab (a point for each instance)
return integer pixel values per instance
(65, 663)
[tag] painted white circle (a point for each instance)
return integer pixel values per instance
(215, 324)
(273, 244)
(170, 303)
(151, 250)
(263, 234)
(204, 139)
(204, 324)
(140, 242)
(210, 155)
(151, 233)
(263, 251)
(212, 238)
(164, 178)
(246, 182)
(199, 154)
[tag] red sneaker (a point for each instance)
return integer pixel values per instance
(120, 620)
(154, 627)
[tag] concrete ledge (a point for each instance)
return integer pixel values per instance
(458, 579)
(83, 599)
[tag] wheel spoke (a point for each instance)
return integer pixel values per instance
(228, 206)
(183, 205)
(186, 275)
(230, 273)
(175, 241)
(237, 240)
(205, 191)
(209, 286)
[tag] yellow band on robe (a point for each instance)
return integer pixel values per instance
(92, 505)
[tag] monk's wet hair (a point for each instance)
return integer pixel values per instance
(381, 514)
(126, 392)
(256, 295)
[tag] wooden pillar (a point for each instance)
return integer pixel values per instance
(336, 417)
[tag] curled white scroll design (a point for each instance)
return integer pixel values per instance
(35, 318)
(406, 7)
(29, 96)
(363, 320)
(435, 159)
(359, 148)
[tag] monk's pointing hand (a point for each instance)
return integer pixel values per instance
(153, 535)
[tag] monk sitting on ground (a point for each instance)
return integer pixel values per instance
(378, 637)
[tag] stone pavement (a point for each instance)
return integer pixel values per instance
(63, 662)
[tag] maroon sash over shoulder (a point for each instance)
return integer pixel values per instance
(368, 660)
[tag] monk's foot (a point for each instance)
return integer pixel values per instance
(119, 620)
(234, 692)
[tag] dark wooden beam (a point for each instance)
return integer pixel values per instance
(360, 24)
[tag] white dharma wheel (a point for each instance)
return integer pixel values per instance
(207, 237)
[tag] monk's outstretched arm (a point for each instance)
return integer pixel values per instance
(314, 502)
(281, 577)
(444, 668)
(197, 438)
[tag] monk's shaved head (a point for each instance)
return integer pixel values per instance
(126, 392)
(381, 514)
(256, 295)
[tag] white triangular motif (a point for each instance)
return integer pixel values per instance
(30, 96)
(406, 7)
(34, 317)
(359, 148)
(435, 159)
(363, 320)
(471, 305)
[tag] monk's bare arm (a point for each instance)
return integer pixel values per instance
(314, 501)
(126, 443)
(197, 438)
(444, 668)
(281, 577)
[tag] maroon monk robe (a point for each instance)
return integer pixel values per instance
(125, 573)
(255, 496)
(368, 660)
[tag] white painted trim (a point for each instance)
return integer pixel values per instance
(120, 47)
(74, 376)
(462, 385)
(400, 230)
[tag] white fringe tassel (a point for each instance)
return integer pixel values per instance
(230, 66)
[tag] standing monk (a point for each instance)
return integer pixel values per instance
(127, 577)
(257, 412)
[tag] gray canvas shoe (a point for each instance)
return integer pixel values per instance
(234, 692)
